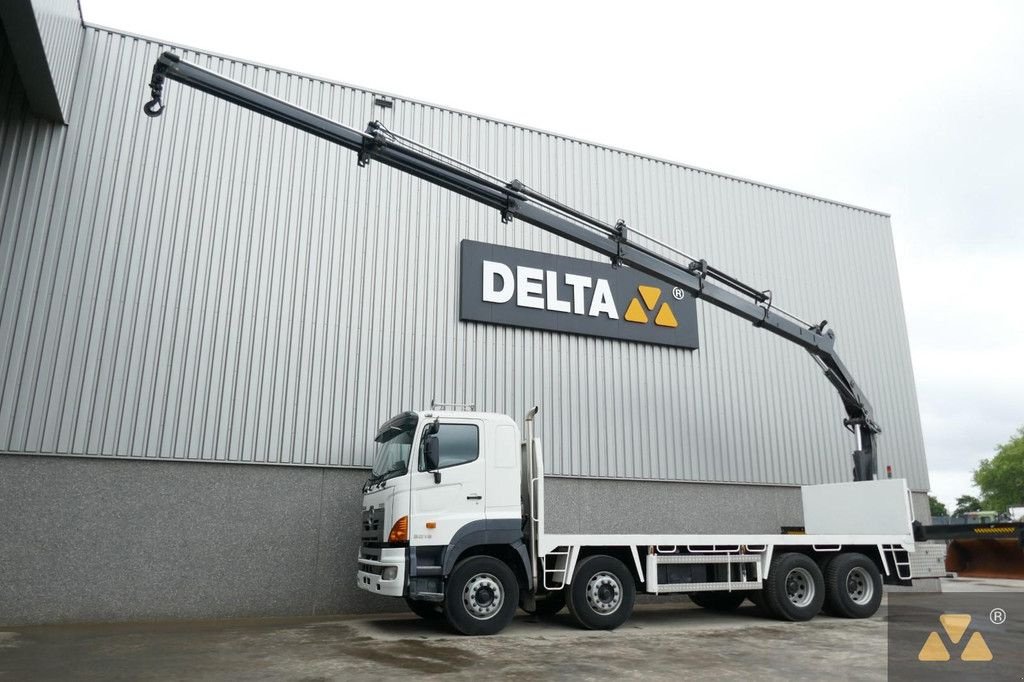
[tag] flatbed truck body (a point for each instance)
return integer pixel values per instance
(483, 500)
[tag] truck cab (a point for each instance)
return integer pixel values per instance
(445, 485)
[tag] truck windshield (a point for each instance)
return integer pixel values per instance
(392, 456)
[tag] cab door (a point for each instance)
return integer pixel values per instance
(439, 509)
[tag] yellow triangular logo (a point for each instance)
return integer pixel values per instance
(955, 625)
(665, 317)
(635, 313)
(933, 649)
(976, 649)
(650, 295)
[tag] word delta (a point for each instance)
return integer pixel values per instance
(536, 288)
(514, 287)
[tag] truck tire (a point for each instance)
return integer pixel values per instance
(719, 600)
(548, 605)
(427, 610)
(795, 588)
(756, 598)
(823, 561)
(602, 593)
(853, 586)
(481, 596)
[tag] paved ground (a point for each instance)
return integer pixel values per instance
(981, 585)
(660, 641)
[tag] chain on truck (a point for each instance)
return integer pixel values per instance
(453, 511)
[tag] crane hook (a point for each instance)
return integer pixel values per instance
(153, 107)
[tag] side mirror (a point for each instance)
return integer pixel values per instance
(432, 457)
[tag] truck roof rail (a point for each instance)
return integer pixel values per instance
(443, 405)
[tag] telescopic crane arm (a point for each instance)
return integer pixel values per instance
(516, 200)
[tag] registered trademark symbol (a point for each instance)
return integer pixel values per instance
(997, 616)
(678, 293)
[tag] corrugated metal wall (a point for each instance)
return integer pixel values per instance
(212, 285)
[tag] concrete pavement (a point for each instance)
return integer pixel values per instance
(660, 641)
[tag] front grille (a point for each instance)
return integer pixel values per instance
(373, 526)
(370, 554)
(369, 568)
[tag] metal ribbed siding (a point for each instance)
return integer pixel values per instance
(212, 285)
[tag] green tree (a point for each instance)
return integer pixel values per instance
(937, 508)
(1001, 479)
(966, 503)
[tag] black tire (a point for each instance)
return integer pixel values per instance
(481, 596)
(756, 597)
(720, 600)
(795, 588)
(427, 610)
(602, 593)
(823, 561)
(548, 605)
(853, 586)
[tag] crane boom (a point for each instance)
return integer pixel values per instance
(514, 200)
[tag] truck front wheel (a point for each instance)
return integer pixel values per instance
(481, 596)
(602, 593)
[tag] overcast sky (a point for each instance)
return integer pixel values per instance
(915, 109)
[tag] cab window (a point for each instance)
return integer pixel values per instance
(457, 444)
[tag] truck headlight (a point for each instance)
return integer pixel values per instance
(390, 573)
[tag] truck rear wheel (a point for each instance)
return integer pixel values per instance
(756, 598)
(853, 586)
(602, 593)
(719, 600)
(481, 596)
(823, 562)
(795, 588)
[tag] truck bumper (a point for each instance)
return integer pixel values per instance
(383, 574)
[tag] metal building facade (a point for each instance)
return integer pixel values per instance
(215, 286)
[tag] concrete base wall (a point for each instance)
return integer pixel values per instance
(104, 540)
(110, 540)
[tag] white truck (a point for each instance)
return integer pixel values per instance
(453, 512)
(453, 522)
